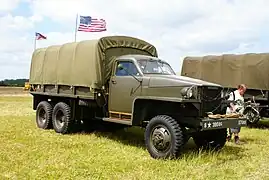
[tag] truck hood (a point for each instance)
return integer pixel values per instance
(176, 80)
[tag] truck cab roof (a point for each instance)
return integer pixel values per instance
(138, 57)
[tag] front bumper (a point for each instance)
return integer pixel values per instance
(220, 123)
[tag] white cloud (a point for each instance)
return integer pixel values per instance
(7, 5)
(176, 28)
(9, 23)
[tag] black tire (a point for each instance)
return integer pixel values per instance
(170, 127)
(44, 115)
(211, 139)
(61, 118)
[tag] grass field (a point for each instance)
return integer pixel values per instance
(12, 91)
(27, 152)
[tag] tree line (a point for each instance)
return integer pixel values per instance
(13, 82)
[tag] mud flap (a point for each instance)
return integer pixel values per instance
(209, 124)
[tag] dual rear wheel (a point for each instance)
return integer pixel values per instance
(57, 117)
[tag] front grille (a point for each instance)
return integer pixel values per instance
(211, 100)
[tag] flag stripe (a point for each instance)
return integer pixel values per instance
(88, 24)
(39, 36)
(93, 30)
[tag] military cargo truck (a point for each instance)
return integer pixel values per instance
(229, 70)
(120, 80)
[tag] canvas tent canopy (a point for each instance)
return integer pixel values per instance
(229, 70)
(86, 63)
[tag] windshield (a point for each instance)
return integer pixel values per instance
(148, 66)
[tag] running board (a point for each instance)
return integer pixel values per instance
(127, 122)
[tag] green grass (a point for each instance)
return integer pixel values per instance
(27, 152)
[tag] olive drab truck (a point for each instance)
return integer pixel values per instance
(229, 70)
(119, 80)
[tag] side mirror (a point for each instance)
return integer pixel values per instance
(120, 67)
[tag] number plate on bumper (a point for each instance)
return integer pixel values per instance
(208, 123)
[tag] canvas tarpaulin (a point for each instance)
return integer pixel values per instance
(229, 70)
(86, 63)
(191, 67)
(202, 68)
(49, 75)
(37, 65)
(211, 65)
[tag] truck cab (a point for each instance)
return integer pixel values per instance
(130, 80)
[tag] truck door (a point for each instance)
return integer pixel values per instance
(124, 88)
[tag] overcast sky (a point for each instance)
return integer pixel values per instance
(177, 28)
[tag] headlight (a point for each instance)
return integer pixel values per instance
(186, 92)
(189, 93)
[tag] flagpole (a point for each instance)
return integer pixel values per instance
(35, 42)
(76, 27)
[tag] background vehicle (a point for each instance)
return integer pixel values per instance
(230, 70)
(119, 80)
(26, 86)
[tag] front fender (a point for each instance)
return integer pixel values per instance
(144, 107)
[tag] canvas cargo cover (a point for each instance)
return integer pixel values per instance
(86, 63)
(229, 70)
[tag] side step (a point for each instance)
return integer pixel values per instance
(126, 122)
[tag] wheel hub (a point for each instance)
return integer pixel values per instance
(161, 139)
(42, 116)
(60, 119)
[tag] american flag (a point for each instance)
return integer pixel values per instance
(89, 24)
(39, 36)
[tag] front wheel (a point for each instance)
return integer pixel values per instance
(163, 137)
(211, 139)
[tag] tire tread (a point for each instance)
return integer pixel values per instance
(48, 109)
(67, 111)
(176, 130)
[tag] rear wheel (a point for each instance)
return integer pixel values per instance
(163, 137)
(43, 115)
(211, 139)
(61, 118)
